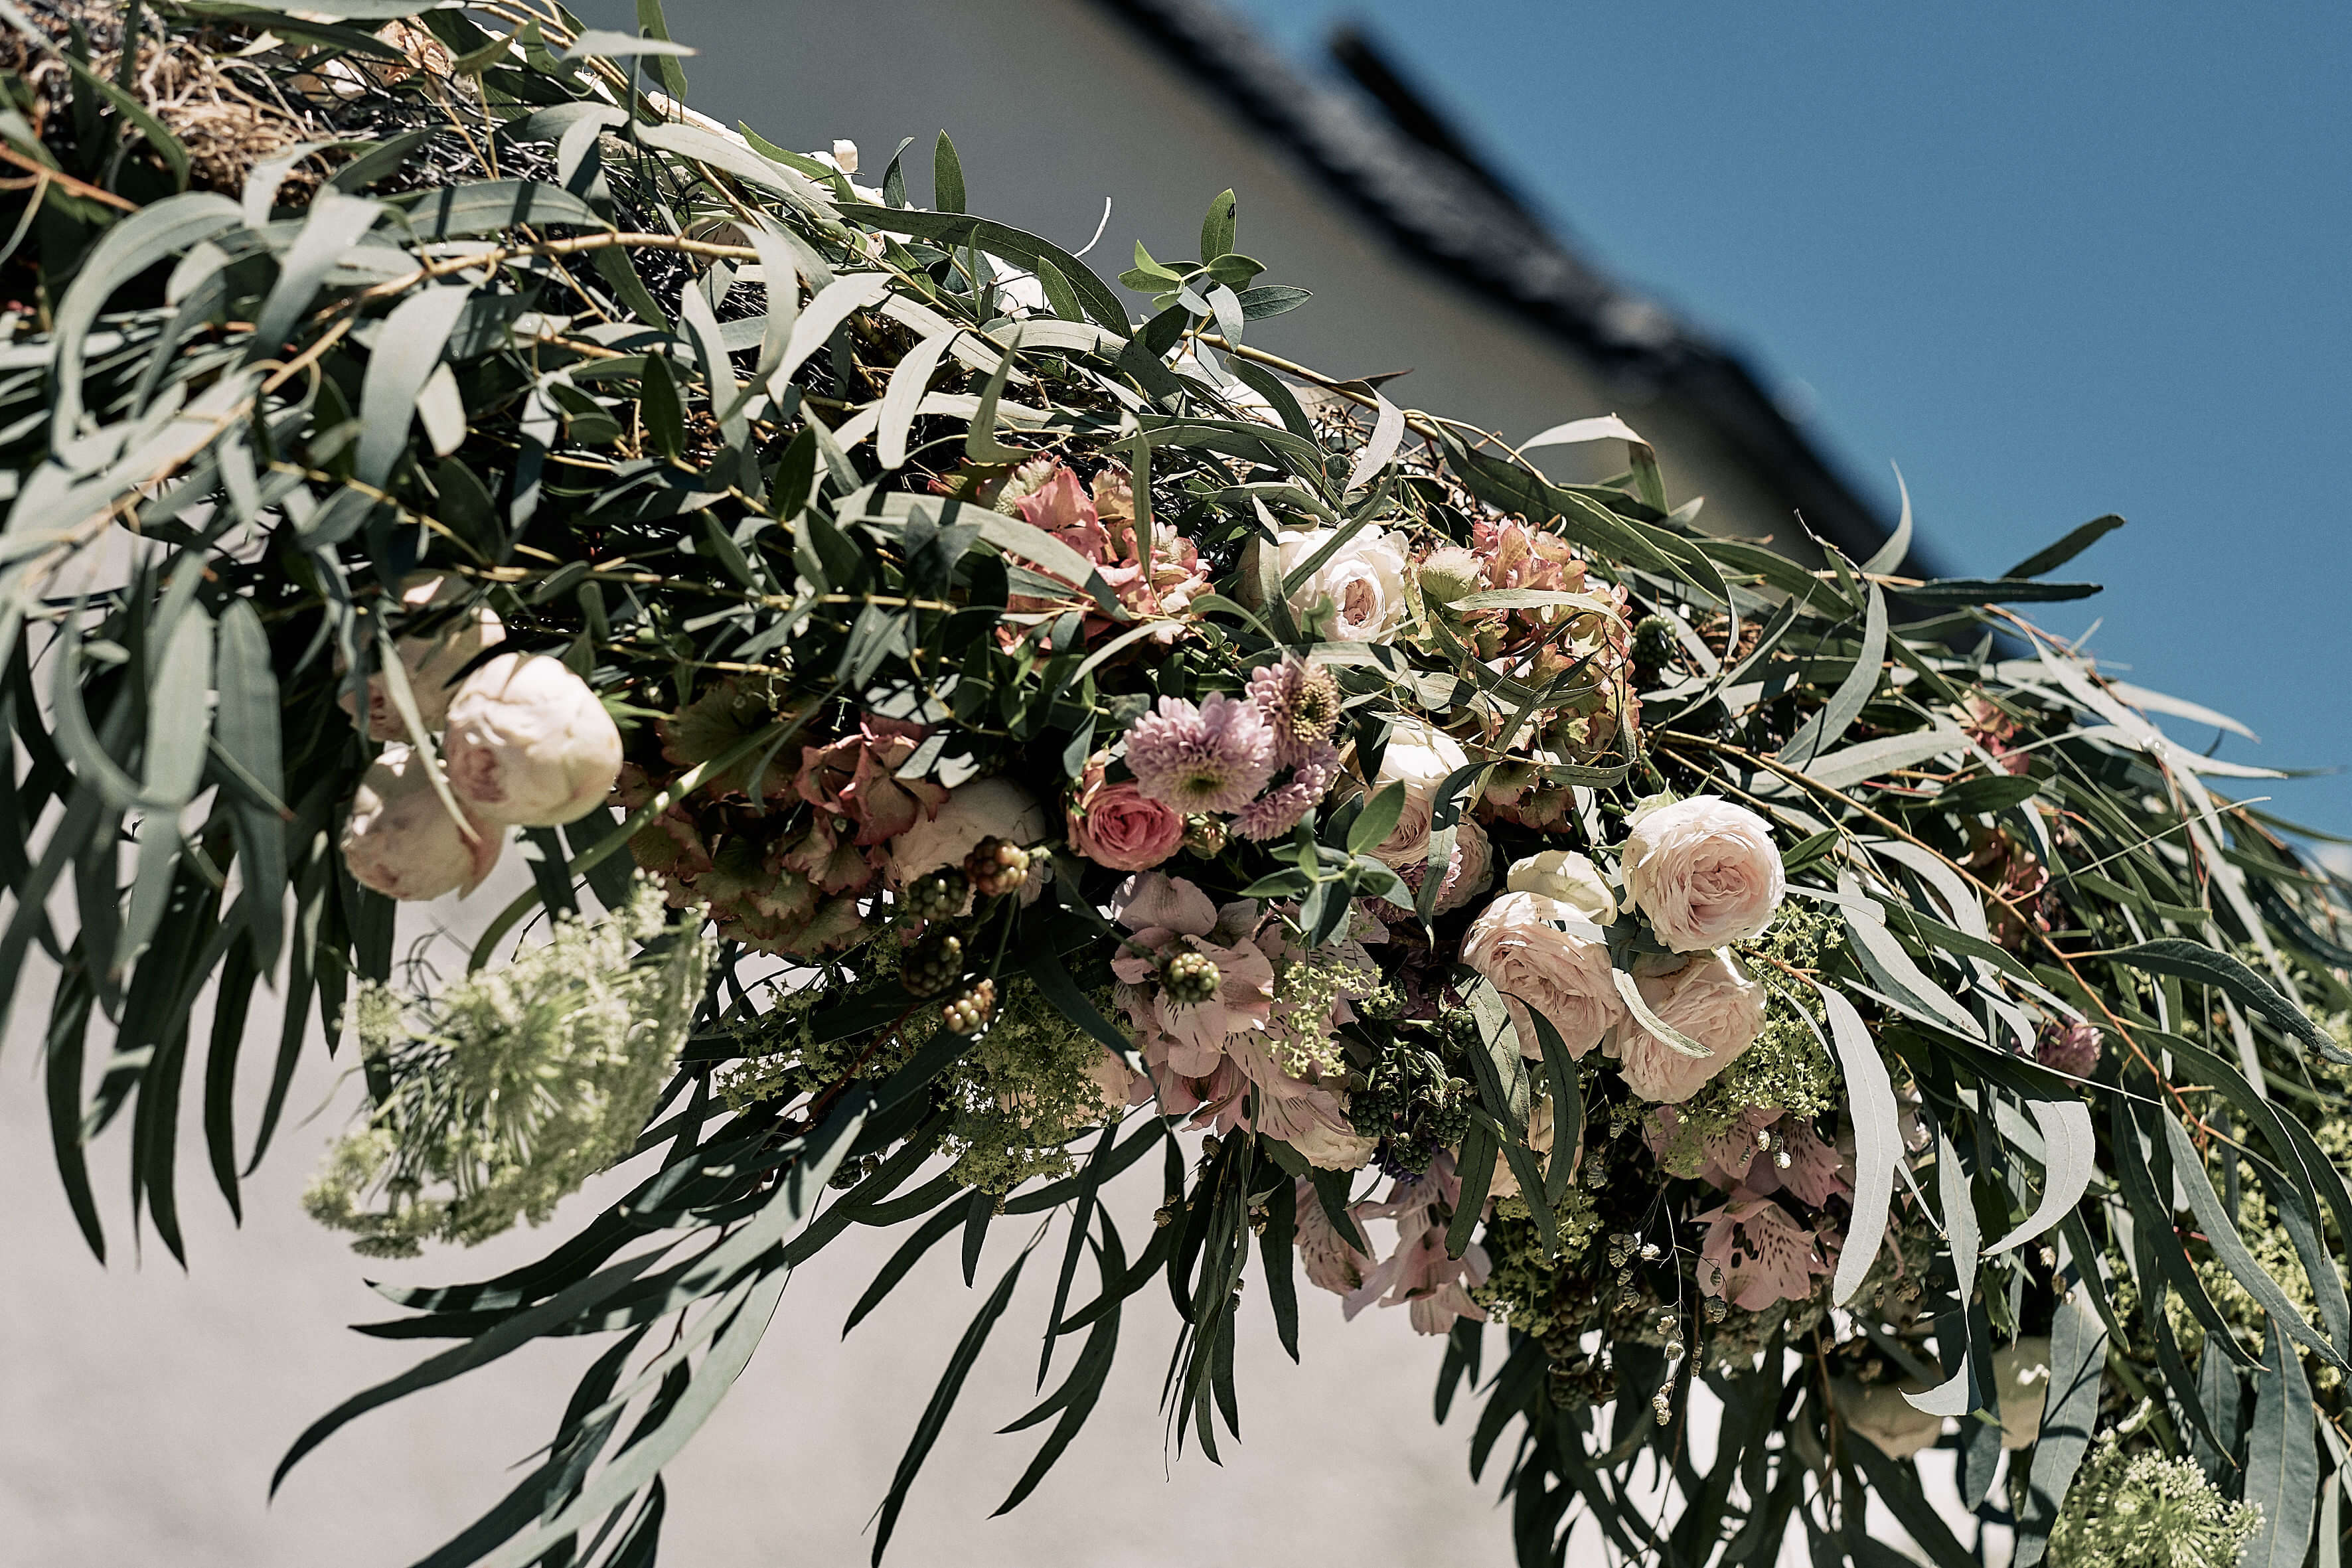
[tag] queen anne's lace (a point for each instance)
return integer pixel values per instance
(514, 1085)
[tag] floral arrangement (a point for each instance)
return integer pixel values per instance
(967, 737)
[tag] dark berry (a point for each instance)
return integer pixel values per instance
(933, 964)
(996, 866)
(938, 895)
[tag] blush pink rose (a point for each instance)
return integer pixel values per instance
(1707, 999)
(400, 840)
(1704, 870)
(1543, 956)
(1118, 826)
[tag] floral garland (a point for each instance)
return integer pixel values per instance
(1694, 976)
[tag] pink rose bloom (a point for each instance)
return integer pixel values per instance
(1704, 870)
(1518, 942)
(528, 743)
(1119, 826)
(1707, 999)
(857, 777)
(1168, 914)
(401, 839)
(1755, 1255)
(431, 662)
(1064, 510)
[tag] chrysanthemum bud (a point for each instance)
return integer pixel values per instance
(938, 895)
(401, 839)
(1189, 978)
(1204, 834)
(996, 866)
(528, 743)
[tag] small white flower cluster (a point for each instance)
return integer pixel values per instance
(525, 742)
(514, 1085)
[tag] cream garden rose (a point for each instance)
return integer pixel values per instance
(1707, 998)
(1546, 958)
(1421, 759)
(1569, 877)
(993, 807)
(530, 743)
(1363, 583)
(1703, 870)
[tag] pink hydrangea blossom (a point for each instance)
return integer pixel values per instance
(1419, 1274)
(856, 777)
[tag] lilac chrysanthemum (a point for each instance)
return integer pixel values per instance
(1286, 805)
(1213, 757)
(1301, 704)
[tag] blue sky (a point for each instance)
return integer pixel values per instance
(2054, 260)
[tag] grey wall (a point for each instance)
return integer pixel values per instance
(1055, 105)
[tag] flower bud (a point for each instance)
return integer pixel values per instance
(1189, 978)
(845, 155)
(1449, 575)
(1204, 835)
(401, 839)
(431, 661)
(996, 866)
(530, 743)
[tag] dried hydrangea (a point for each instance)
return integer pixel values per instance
(514, 1085)
(2143, 1511)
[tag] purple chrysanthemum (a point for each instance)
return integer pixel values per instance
(2070, 1049)
(1286, 805)
(1213, 757)
(1301, 704)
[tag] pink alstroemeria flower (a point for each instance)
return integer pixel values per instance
(1168, 914)
(1755, 1254)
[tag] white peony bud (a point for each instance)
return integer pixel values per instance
(1570, 877)
(401, 839)
(528, 743)
(431, 661)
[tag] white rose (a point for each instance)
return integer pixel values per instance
(1704, 870)
(1879, 1412)
(994, 807)
(401, 839)
(1706, 998)
(528, 743)
(1364, 581)
(1421, 759)
(1518, 942)
(432, 662)
(1569, 877)
(2020, 1380)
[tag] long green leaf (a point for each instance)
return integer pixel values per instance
(942, 1401)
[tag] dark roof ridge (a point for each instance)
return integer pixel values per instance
(1420, 198)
